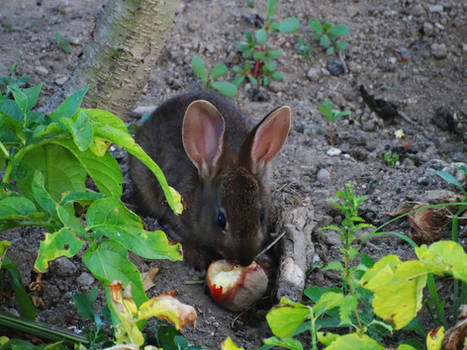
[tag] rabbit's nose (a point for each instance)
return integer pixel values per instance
(245, 260)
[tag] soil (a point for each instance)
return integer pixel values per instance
(410, 53)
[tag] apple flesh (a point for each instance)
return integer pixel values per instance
(236, 287)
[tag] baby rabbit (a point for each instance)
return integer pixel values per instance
(202, 143)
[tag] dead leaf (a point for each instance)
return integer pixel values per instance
(425, 225)
(148, 278)
(401, 209)
(37, 301)
(455, 336)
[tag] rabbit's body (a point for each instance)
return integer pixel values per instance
(198, 139)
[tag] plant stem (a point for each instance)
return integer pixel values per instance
(331, 134)
(455, 238)
(314, 342)
(435, 298)
(347, 275)
(4, 150)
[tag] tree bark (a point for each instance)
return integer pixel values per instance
(119, 59)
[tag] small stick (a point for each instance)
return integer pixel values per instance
(271, 244)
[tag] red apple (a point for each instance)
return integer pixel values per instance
(235, 287)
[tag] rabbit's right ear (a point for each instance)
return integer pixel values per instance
(203, 136)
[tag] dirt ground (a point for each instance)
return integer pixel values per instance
(412, 53)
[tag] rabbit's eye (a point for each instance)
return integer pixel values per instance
(221, 220)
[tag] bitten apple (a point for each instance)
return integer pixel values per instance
(235, 287)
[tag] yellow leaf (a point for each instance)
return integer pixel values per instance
(168, 308)
(178, 205)
(228, 344)
(434, 339)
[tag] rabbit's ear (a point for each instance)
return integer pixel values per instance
(267, 138)
(203, 136)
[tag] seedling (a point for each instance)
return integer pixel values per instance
(328, 35)
(62, 43)
(12, 80)
(303, 48)
(224, 87)
(391, 158)
(331, 115)
(260, 65)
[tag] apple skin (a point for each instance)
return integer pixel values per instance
(248, 284)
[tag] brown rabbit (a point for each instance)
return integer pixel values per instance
(202, 143)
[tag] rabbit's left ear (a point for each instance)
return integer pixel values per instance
(203, 136)
(266, 140)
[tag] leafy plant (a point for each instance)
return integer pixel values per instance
(12, 80)
(328, 35)
(260, 65)
(303, 48)
(391, 158)
(331, 115)
(224, 87)
(23, 301)
(46, 160)
(62, 43)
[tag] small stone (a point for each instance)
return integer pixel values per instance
(61, 80)
(41, 70)
(313, 74)
(436, 9)
(425, 181)
(418, 10)
(333, 152)
(323, 176)
(428, 29)
(464, 48)
(439, 51)
(85, 279)
(336, 68)
(63, 267)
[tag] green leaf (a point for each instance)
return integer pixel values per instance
(289, 25)
(71, 197)
(109, 217)
(277, 76)
(288, 343)
(261, 36)
(354, 341)
(450, 179)
(334, 265)
(237, 69)
(198, 67)
(238, 81)
(346, 308)
(108, 261)
(15, 208)
(225, 88)
(25, 98)
(259, 55)
(11, 114)
(80, 129)
(316, 27)
(104, 171)
(270, 65)
(70, 105)
(271, 9)
(273, 53)
(286, 317)
(252, 80)
(84, 303)
(110, 127)
(341, 45)
(241, 47)
(218, 71)
(247, 53)
(327, 301)
(324, 41)
(326, 110)
(330, 50)
(70, 221)
(40, 194)
(315, 292)
(61, 243)
(338, 30)
(23, 301)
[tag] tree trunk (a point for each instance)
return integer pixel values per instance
(119, 59)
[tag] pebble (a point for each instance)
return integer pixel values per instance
(428, 28)
(85, 279)
(418, 10)
(439, 51)
(336, 68)
(323, 176)
(333, 152)
(41, 70)
(313, 74)
(436, 8)
(63, 267)
(423, 180)
(61, 80)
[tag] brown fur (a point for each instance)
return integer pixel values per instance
(231, 187)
